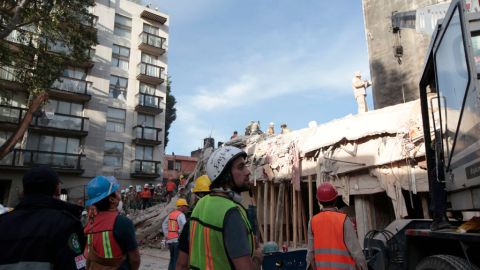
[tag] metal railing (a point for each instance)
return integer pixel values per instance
(7, 73)
(152, 40)
(147, 133)
(62, 121)
(150, 70)
(145, 167)
(149, 100)
(10, 114)
(27, 158)
(73, 85)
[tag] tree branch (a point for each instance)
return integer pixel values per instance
(15, 20)
(23, 126)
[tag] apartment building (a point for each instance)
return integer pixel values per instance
(103, 117)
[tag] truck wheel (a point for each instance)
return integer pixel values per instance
(444, 262)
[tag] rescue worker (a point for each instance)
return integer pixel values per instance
(200, 189)
(332, 240)
(221, 236)
(172, 227)
(146, 196)
(111, 242)
(171, 187)
(42, 232)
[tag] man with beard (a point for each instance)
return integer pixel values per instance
(221, 235)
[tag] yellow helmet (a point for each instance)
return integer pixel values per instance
(202, 184)
(181, 202)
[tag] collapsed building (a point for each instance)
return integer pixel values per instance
(376, 160)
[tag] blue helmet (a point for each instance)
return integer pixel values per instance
(101, 187)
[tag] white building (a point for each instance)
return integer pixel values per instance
(104, 117)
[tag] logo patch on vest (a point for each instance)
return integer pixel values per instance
(74, 243)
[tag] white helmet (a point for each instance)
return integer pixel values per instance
(220, 158)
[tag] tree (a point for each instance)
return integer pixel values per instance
(170, 110)
(38, 39)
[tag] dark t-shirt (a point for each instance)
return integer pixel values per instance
(124, 233)
(235, 235)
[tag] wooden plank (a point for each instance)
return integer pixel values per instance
(300, 218)
(272, 212)
(310, 198)
(265, 211)
(424, 199)
(259, 202)
(288, 206)
(304, 222)
(279, 211)
(295, 217)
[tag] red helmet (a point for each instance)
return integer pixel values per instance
(326, 192)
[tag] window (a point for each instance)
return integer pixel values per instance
(151, 29)
(115, 120)
(75, 72)
(170, 165)
(150, 59)
(52, 150)
(64, 107)
(146, 120)
(143, 152)
(147, 89)
(123, 26)
(118, 87)
(120, 56)
(178, 165)
(113, 155)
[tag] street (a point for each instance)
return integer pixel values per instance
(153, 258)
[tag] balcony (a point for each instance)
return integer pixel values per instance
(148, 15)
(8, 79)
(146, 135)
(151, 74)
(71, 89)
(22, 159)
(152, 44)
(11, 116)
(20, 37)
(148, 104)
(61, 124)
(145, 169)
(60, 48)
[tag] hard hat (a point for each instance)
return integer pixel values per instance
(101, 187)
(123, 191)
(127, 190)
(181, 202)
(220, 158)
(202, 184)
(145, 186)
(358, 74)
(326, 192)
(131, 186)
(159, 185)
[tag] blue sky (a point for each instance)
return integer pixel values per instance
(280, 61)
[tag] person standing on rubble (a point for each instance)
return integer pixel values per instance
(172, 227)
(359, 90)
(200, 189)
(332, 240)
(146, 196)
(221, 236)
(42, 232)
(111, 242)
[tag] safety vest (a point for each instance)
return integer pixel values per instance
(207, 250)
(146, 194)
(173, 226)
(102, 248)
(328, 241)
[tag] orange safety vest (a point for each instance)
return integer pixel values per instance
(328, 241)
(105, 250)
(173, 225)
(146, 194)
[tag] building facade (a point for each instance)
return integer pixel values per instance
(103, 117)
(396, 48)
(174, 166)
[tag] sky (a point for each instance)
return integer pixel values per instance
(280, 61)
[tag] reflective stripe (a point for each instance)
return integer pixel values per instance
(27, 266)
(335, 265)
(208, 251)
(107, 249)
(331, 251)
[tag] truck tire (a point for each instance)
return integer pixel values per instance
(444, 262)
